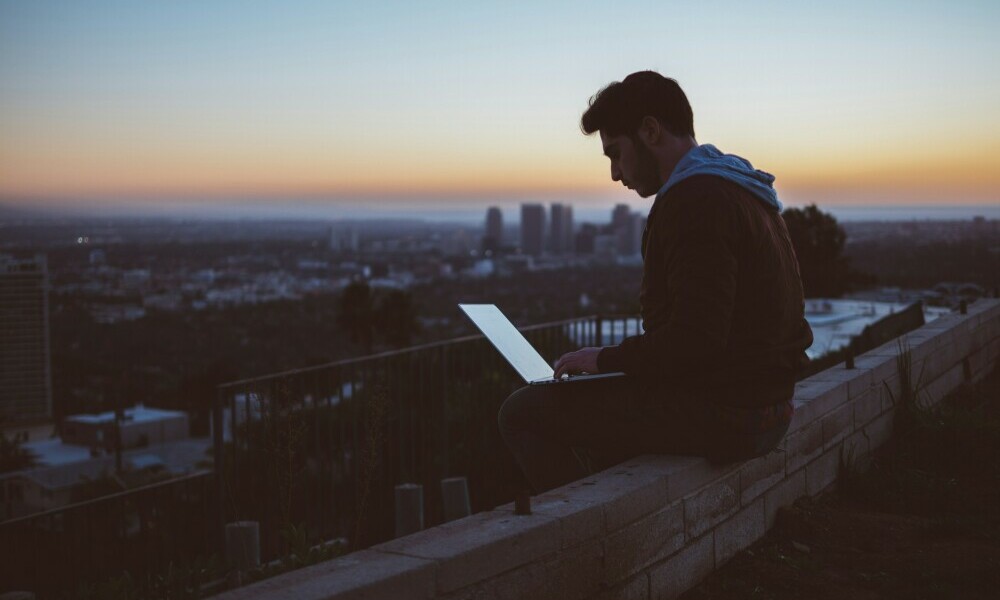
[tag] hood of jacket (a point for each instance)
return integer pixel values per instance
(706, 159)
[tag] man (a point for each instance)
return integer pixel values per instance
(721, 300)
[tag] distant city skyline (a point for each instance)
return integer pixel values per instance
(470, 212)
(118, 106)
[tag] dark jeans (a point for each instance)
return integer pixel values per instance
(559, 433)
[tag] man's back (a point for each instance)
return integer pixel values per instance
(721, 296)
(713, 373)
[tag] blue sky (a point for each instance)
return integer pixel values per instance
(127, 102)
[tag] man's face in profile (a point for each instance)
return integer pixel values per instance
(632, 163)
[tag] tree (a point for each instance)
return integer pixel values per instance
(397, 318)
(357, 315)
(819, 243)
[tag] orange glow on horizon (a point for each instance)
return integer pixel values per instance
(48, 169)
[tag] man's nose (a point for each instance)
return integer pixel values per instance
(616, 175)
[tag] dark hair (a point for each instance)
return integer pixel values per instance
(619, 108)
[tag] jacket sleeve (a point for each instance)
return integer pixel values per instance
(700, 249)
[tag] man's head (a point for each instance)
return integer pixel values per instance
(646, 126)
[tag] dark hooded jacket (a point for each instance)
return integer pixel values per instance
(721, 296)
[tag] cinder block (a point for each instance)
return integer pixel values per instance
(979, 337)
(867, 407)
(636, 588)
(892, 388)
(942, 360)
(992, 327)
(741, 530)
(942, 386)
(983, 361)
(480, 546)
(688, 474)
(838, 424)
(887, 349)
(994, 351)
(881, 367)
(946, 325)
(803, 446)
(784, 494)
(644, 542)
(760, 474)
(814, 398)
(822, 472)
(858, 380)
(684, 570)
(629, 491)
(889, 393)
(985, 306)
(918, 344)
(363, 574)
(711, 505)
(879, 431)
(573, 573)
(925, 337)
(579, 520)
(856, 452)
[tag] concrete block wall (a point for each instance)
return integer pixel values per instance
(655, 526)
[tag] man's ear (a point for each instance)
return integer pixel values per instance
(650, 131)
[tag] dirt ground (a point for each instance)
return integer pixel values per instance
(922, 520)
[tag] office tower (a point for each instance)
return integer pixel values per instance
(344, 239)
(532, 229)
(622, 228)
(561, 231)
(620, 216)
(638, 225)
(25, 379)
(585, 239)
(493, 238)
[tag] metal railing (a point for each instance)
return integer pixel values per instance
(312, 451)
(322, 448)
(139, 532)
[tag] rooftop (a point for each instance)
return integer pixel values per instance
(835, 322)
(137, 414)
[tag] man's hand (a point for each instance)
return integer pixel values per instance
(583, 360)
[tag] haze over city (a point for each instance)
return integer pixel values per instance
(247, 250)
(243, 110)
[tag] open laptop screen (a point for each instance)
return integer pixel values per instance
(509, 341)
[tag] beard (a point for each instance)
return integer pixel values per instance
(647, 181)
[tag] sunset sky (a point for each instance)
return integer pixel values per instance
(151, 103)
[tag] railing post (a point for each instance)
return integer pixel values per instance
(599, 331)
(219, 461)
(445, 424)
(243, 545)
(409, 508)
(455, 498)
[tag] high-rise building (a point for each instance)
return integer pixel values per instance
(493, 238)
(344, 239)
(621, 228)
(627, 229)
(532, 229)
(561, 231)
(638, 226)
(620, 216)
(25, 373)
(585, 238)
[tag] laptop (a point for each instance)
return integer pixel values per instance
(528, 363)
